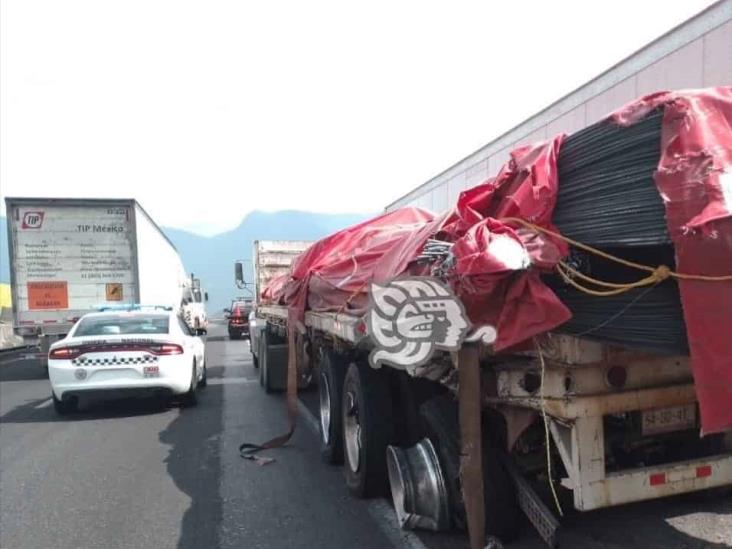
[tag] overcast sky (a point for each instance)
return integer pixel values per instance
(204, 111)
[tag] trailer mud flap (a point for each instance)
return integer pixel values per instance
(248, 450)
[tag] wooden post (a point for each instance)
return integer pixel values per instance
(471, 436)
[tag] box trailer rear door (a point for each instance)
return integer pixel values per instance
(67, 258)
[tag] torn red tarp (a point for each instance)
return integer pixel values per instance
(272, 292)
(491, 258)
(694, 178)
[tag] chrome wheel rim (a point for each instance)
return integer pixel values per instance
(352, 431)
(324, 391)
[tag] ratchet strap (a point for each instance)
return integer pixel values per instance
(248, 450)
(471, 437)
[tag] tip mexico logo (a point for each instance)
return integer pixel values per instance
(32, 220)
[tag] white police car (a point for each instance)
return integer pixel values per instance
(127, 351)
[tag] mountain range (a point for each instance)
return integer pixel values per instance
(212, 258)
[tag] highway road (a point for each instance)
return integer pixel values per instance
(141, 474)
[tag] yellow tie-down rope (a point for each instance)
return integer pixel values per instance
(568, 273)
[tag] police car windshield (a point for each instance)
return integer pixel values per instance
(123, 325)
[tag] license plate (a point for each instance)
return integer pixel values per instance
(667, 420)
(151, 371)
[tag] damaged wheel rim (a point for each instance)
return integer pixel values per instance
(324, 391)
(418, 488)
(352, 431)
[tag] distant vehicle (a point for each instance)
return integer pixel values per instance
(254, 334)
(143, 351)
(194, 306)
(68, 256)
(238, 317)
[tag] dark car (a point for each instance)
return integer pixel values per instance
(238, 317)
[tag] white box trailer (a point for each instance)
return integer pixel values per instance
(69, 256)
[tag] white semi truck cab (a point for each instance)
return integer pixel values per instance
(194, 306)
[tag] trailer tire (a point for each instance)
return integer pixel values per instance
(263, 350)
(262, 358)
(501, 507)
(265, 374)
(266, 383)
(44, 347)
(367, 429)
(332, 371)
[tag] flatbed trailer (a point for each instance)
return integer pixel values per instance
(470, 420)
(606, 409)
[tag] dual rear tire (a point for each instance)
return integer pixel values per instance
(264, 380)
(368, 428)
(331, 372)
(355, 422)
(272, 369)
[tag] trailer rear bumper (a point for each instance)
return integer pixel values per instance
(654, 482)
(576, 426)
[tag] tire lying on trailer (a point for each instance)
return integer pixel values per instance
(331, 373)
(502, 513)
(367, 429)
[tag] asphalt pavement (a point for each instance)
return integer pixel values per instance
(141, 474)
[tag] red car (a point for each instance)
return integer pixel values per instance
(238, 317)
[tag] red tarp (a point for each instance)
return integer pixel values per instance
(694, 178)
(333, 273)
(489, 275)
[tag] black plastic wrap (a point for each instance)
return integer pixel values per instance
(607, 196)
(608, 199)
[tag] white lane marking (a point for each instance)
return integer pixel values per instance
(231, 381)
(10, 358)
(45, 404)
(379, 510)
(385, 517)
(14, 359)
